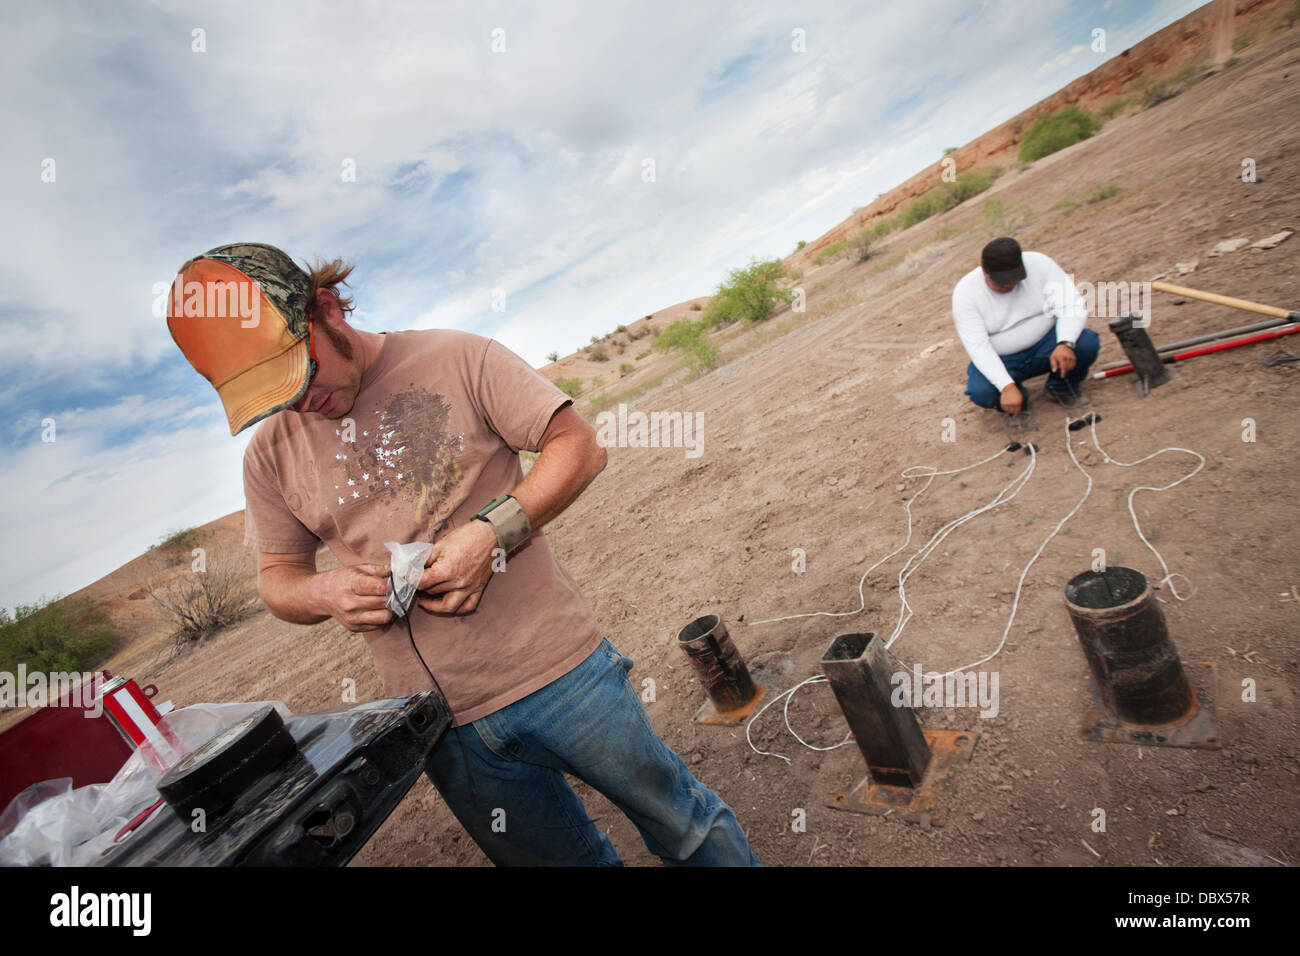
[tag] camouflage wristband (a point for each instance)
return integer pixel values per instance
(508, 520)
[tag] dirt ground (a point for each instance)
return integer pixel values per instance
(807, 427)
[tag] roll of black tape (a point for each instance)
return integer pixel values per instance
(214, 776)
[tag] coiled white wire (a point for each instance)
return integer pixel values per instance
(909, 568)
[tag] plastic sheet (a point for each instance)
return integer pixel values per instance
(54, 824)
(408, 567)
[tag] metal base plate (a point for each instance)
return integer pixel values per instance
(708, 714)
(949, 749)
(1200, 730)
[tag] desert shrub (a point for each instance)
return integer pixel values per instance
(597, 355)
(971, 182)
(620, 328)
(1114, 107)
(696, 307)
(1156, 93)
(691, 338)
(919, 209)
(831, 252)
(799, 245)
(55, 635)
(860, 244)
(183, 540)
(857, 245)
(1057, 131)
(1102, 192)
(748, 295)
(553, 356)
(203, 602)
(645, 354)
(570, 386)
(627, 368)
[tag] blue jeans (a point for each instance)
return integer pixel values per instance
(513, 798)
(1033, 361)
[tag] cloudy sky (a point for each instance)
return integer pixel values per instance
(495, 145)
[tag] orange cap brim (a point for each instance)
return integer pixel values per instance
(265, 389)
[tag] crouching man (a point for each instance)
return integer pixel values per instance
(414, 436)
(1020, 316)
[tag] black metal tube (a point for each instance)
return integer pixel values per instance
(717, 663)
(1140, 351)
(1123, 636)
(889, 737)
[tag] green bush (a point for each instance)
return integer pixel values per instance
(748, 295)
(1114, 107)
(691, 338)
(1057, 131)
(971, 182)
(831, 252)
(570, 386)
(56, 635)
(182, 540)
(1102, 192)
(627, 368)
(553, 357)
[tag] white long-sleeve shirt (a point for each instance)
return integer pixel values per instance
(992, 324)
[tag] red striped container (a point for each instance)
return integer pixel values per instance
(136, 718)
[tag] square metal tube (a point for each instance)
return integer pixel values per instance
(889, 737)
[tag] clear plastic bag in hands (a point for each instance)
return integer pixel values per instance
(408, 568)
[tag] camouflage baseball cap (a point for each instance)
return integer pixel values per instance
(239, 313)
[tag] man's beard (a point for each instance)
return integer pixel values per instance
(338, 340)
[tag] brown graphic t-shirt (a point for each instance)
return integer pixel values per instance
(432, 438)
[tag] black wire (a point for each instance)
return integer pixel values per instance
(473, 791)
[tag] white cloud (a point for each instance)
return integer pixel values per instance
(474, 169)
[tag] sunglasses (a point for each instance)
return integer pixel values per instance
(313, 364)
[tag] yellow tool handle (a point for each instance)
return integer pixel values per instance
(1227, 300)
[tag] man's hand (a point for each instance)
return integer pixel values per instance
(356, 596)
(458, 570)
(1011, 400)
(1063, 360)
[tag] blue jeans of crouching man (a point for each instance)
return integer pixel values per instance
(1035, 360)
(514, 801)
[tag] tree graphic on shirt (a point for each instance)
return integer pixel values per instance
(406, 455)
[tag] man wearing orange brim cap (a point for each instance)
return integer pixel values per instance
(372, 440)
